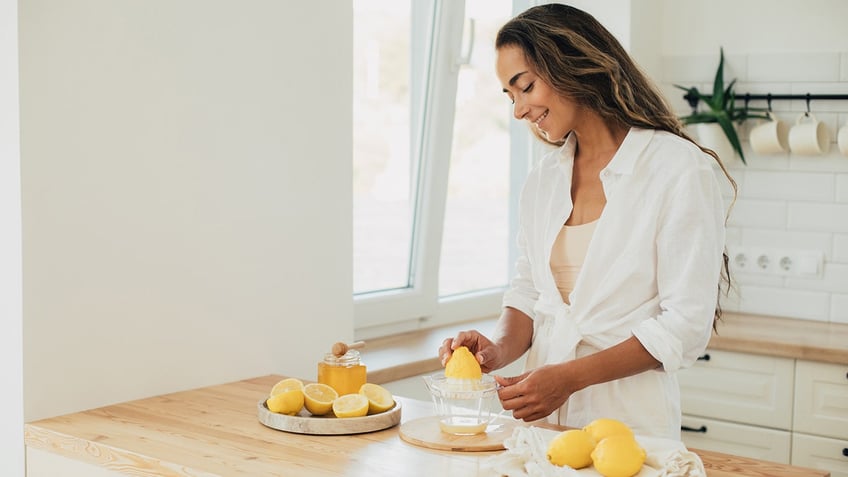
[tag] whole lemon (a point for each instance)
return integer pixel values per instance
(606, 427)
(618, 456)
(572, 448)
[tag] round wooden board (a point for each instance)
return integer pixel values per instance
(425, 432)
(305, 423)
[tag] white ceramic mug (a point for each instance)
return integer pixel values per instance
(770, 137)
(809, 136)
(842, 140)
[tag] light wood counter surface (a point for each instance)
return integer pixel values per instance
(414, 353)
(784, 337)
(214, 432)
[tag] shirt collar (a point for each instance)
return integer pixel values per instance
(634, 143)
(625, 158)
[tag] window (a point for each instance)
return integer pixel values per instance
(436, 156)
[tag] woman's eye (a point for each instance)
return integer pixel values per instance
(528, 88)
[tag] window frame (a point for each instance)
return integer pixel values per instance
(437, 39)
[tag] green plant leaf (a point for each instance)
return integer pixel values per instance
(726, 124)
(718, 83)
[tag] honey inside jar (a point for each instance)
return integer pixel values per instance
(346, 373)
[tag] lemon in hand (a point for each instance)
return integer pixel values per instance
(319, 398)
(605, 427)
(286, 397)
(618, 456)
(572, 448)
(379, 398)
(463, 365)
(350, 405)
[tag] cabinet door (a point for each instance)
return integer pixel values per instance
(821, 453)
(739, 387)
(821, 399)
(737, 439)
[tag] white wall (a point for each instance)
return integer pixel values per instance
(186, 174)
(11, 340)
(785, 201)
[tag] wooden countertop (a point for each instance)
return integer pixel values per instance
(410, 354)
(789, 338)
(214, 431)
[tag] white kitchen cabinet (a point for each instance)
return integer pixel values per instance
(821, 453)
(737, 439)
(740, 388)
(821, 399)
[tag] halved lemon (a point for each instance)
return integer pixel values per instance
(463, 365)
(350, 405)
(286, 385)
(286, 397)
(286, 402)
(319, 398)
(379, 398)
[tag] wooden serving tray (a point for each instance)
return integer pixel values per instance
(305, 423)
(425, 432)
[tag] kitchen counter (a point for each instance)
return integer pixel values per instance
(414, 353)
(214, 432)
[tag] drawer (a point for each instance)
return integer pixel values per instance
(737, 439)
(820, 453)
(738, 387)
(821, 399)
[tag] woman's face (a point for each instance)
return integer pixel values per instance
(534, 99)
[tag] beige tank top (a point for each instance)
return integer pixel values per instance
(568, 253)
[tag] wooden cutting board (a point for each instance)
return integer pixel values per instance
(425, 432)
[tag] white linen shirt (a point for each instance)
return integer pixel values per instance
(651, 271)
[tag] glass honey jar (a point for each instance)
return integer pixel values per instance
(345, 373)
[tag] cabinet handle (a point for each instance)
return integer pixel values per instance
(845, 452)
(705, 357)
(704, 430)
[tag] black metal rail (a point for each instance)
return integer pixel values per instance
(747, 97)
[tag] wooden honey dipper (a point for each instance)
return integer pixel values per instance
(339, 348)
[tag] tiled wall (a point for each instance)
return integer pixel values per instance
(785, 200)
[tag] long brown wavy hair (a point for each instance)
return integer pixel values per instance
(581, 60)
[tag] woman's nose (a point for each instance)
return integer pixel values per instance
(520, 109)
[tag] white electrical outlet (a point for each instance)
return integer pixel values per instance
(776, 262)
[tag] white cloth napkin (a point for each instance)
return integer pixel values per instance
(526, 449)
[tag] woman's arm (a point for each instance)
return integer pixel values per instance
(537, 393)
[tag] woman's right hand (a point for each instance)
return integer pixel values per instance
(488, 354)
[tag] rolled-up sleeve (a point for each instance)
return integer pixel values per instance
(689, 245)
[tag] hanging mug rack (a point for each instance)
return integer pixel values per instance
(747, 97)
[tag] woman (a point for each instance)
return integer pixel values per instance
(621, 235)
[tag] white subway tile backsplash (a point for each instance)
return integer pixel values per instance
(758, 213)
(842, 187)
(818, 217)
(785, 200)
(807, 305)
(839, 308)
(833, 280)
(689, 70)
(833, 162)
(775, 239)
(794, 67)
(840, 249)
(788, 186)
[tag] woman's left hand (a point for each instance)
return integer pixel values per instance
(535, 394)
